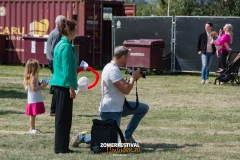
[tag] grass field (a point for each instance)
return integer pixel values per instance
(186, 120)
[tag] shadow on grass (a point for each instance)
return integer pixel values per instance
(163, 147)
(88, 115)
(5, 112)
(48, 132)
(12, 94)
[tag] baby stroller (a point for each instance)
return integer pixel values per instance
(232, 56)
(231, 72)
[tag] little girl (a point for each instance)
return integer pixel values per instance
(31, 83)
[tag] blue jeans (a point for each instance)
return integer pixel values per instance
(206, 63)
(85, 138)
(138, 114)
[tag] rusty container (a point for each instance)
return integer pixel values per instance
(85, 49)
(35, 17)
(95, 22)
(36, 48)
(145, 53)
(3, 38)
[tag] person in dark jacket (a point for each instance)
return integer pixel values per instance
(53, 38)
(206, 50)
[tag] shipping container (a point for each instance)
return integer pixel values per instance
(83, 51)
(2, 47)
(35, 48)
(35, 17)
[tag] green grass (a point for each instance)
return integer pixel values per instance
(186, 120)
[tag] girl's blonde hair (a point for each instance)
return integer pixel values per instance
(31, 69)
(214, 35)
(230, 28)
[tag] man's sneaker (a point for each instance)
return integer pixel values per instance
(76, 132)
(75, 140)
(207, 82)
(203, 81)
(129, 140)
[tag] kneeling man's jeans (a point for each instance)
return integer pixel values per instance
(138, 114)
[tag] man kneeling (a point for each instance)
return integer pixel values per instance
(114, 88)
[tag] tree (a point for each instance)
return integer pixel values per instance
(190, 8)
(153, 8)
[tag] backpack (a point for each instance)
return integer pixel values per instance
(104, 132)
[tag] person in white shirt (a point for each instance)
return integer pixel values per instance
(114, 88)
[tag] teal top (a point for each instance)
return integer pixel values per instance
(64, 65)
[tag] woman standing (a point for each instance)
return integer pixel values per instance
(64, 83)
(225, 38)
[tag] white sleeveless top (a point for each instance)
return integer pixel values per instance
(34, 97)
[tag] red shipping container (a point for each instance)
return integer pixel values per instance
(2, 47)
(35, 17)
(145, 53)
(35, 47)
(85, 49)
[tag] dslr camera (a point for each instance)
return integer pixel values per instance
(144, 73)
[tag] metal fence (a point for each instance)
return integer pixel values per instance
(180, 34)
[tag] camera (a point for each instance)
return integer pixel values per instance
(144, 73)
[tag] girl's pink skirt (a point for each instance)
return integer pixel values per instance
(35, 109)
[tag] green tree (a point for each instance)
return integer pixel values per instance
(190, 8)
(153, 8)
